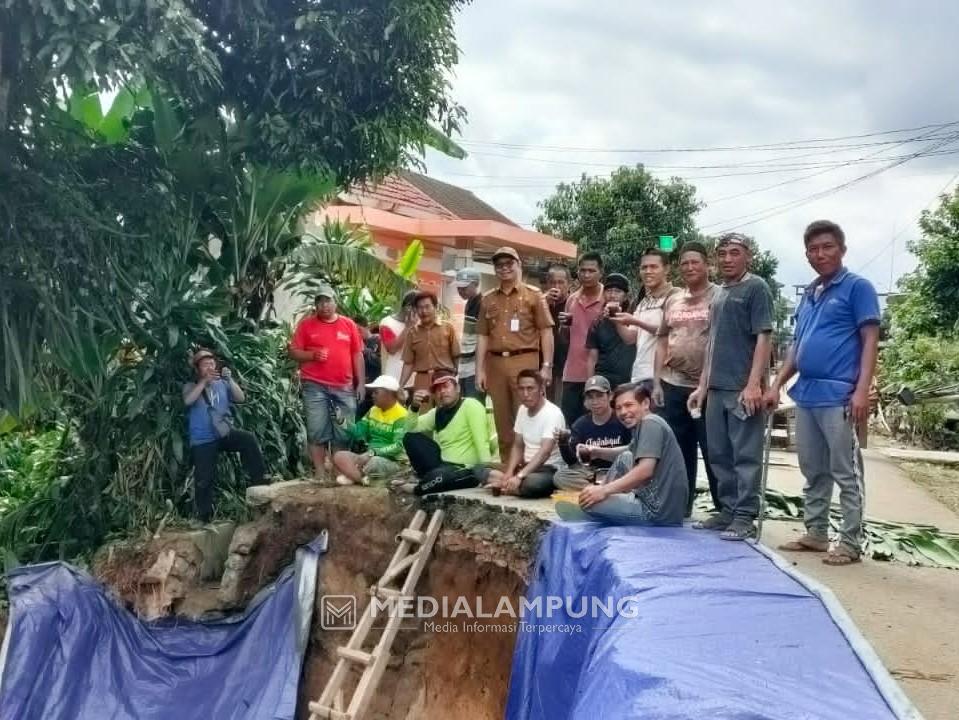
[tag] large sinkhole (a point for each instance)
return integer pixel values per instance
(442, 664)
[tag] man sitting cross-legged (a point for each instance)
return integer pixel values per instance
(647, 483)
(381, 429)
(535, 455)
(460, 438)
(600, 429)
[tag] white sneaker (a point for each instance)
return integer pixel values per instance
(365, 480)
(343, 480)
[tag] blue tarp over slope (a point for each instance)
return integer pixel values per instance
(72, 653)
(722, 632)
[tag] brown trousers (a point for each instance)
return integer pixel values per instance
(501, 375)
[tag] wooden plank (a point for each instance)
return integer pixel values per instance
(356, 656)
(414, 536)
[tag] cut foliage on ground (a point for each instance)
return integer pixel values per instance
(923, 545)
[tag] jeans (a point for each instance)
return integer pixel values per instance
(572, 402)
(435, 475)
(322, 403)
(621, 508)
(735, 454)
(689, 433)
(204, 467)
(829, 452)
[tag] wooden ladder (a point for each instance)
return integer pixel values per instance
(410, 558)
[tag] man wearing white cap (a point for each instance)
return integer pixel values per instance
(467, 285)
(381, 430)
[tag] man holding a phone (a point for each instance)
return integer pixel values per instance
(737, 360)
(608, 354)
(593, 442)
(209, 399)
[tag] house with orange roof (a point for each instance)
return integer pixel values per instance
(457, 229)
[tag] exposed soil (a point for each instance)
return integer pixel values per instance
(942, 481)
(434, 672)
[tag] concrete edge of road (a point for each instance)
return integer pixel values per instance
(892, 693)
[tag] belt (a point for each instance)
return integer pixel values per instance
(511, 353)
(467, 356)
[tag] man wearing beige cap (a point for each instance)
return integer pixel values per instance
(514, 329)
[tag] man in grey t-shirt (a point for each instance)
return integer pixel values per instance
(737, 359)
(647, 483)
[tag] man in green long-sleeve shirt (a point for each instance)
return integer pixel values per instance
(460, 437)
(382, 430)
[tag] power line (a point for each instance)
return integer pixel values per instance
(907, 227)
(783, 145)
(553, 179)
(779, 209)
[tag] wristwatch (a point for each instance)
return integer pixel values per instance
(549, 365)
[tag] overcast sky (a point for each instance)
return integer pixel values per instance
(607, 75)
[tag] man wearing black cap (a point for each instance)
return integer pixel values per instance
(610, 355)
(514, 329)
(597, 433)
(740, 326)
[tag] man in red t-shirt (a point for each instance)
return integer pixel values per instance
(329, 349)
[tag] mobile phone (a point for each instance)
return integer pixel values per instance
(739, 411)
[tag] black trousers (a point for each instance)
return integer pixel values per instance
(434, 474)
(204, 467)
(572, 402)
(689, 433)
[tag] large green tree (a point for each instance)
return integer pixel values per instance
(129, 234)
(930, 305)
(623, 214)
(620, 215)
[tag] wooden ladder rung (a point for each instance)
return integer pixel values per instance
(357, 656)
(413, 536)
(326, 713)
(386, 593)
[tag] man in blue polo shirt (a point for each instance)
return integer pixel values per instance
(834, 352)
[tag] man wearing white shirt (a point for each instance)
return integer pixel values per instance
(535, 456)
(641, 327)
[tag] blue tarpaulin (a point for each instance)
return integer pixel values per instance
(699, 628)
(73, 653)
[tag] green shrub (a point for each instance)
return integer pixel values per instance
(920, 363)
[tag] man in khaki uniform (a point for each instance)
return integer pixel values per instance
(514, 327)
(430, 346)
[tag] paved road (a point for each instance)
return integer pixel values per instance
(909, 614)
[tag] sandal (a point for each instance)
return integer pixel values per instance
(841, 556)
(738, 532)
(806, 543)
(715, 522)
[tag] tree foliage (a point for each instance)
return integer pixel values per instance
(624, 214)
(620, 215)
(931, 302)
(132, 233)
